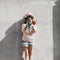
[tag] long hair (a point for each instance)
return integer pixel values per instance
(27, 18)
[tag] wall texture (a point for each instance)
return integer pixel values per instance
(56, 30)
(11, 13)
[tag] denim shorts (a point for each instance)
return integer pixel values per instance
(25, 43)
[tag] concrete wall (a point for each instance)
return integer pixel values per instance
(11, 13)
(56, 30)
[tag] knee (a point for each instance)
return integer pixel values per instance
(29, 53)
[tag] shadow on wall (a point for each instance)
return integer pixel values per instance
(56, 30)
(10, 48)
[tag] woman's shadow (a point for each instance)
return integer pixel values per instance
(10, 45)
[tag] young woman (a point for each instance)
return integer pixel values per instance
(29, 29)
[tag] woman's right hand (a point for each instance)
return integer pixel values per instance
(25, 28)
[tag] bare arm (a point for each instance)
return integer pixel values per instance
(30, 33)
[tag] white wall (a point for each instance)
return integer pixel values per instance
(11, 12)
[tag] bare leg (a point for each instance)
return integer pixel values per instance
(25, 50)
(30, 52)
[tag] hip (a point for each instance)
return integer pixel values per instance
(25, 43)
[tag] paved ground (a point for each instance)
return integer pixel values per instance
(11, 13)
